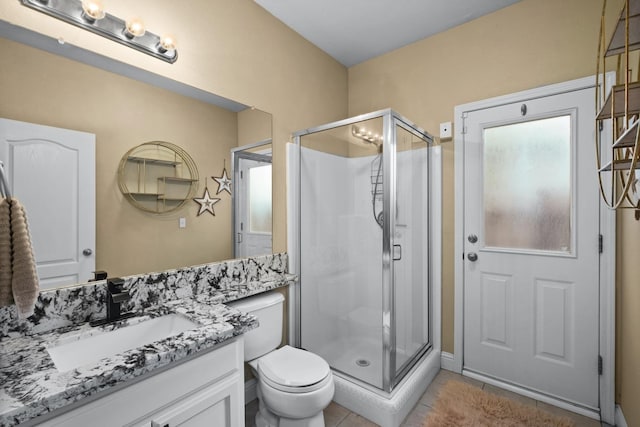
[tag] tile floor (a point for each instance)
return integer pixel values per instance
(336, 415)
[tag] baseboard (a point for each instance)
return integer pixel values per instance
(447, 361)
(620, 421)
(250, 391)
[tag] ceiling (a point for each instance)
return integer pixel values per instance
(353, 31)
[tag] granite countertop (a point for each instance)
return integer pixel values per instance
(32, 386)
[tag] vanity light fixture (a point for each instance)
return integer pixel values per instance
(92, 10)
(167, 43)
(366, 135)
(134, 28)
(91, 15)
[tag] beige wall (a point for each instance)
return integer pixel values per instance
(253, 126)
(529, 44)
(628, 317)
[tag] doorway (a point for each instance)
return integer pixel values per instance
(529, 274)
(252, 203)
(52, 171)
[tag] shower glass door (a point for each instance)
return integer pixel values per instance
(411, 248)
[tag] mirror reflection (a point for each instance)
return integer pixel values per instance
(42, 88)
(252, 204)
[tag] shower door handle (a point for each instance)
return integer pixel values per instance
(397, 252)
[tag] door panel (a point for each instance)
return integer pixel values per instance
(497, 310)
(52, 172)
(531, 277)
(554, 320)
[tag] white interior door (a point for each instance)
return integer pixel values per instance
(253, 205)
(531, 229)
(52, 172)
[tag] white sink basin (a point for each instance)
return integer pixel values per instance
(74, 353)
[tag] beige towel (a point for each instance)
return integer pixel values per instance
(6, 295)
(24, 281)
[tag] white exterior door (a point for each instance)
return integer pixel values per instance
(253, 205)
(52, 172)
(531, 257)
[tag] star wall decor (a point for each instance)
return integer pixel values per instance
(224, 182)
(206, 203)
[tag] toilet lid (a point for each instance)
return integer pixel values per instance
(293, 367)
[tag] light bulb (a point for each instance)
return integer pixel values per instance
(93, 10)
(134, 27)
(167, 42)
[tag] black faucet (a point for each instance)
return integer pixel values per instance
(116, 295)
(98, 275)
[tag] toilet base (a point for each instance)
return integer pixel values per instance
(316, 421)
(266, 418)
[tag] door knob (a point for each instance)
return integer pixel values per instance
(472, 256)
(472, 238)
(87, 252)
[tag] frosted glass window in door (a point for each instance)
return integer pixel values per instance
(260, 199)
(527, 185)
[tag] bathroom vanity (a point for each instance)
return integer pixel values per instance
(178, 360)
(206, 387)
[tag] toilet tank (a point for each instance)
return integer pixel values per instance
(267, 308)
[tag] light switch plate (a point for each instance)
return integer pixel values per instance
(183, 222)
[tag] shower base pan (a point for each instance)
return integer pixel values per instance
(387, 409)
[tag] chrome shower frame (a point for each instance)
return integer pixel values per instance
(391, 377)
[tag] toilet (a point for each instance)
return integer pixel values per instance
(294, 385)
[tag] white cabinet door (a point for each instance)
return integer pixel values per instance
(219, 405)
(52, 172)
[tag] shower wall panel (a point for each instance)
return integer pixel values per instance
(341, 264)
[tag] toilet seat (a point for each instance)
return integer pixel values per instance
(293, 370)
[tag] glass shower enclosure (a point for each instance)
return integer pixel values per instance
(364, 261)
